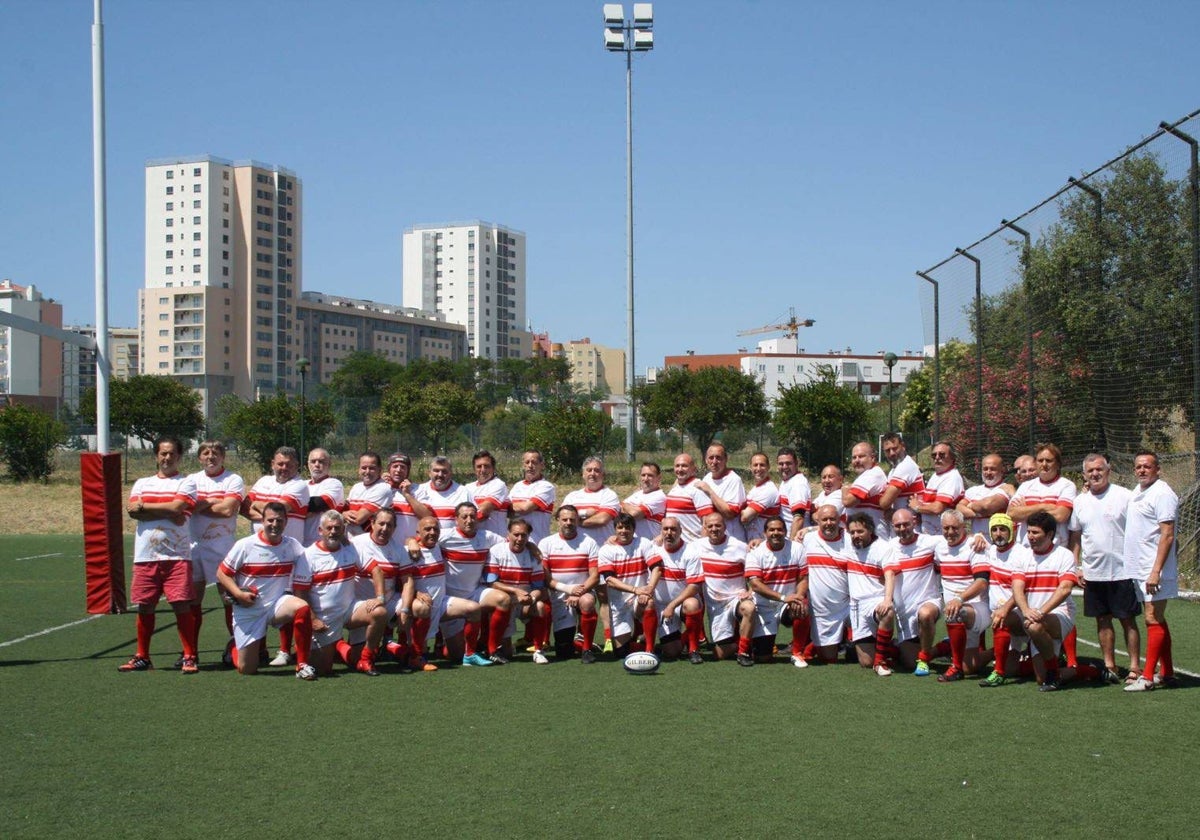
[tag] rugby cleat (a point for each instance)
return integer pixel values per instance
(136, 663)
(994, 680)
(922, 669)
(476, 660)
(539, 658)
(189, 665)
(306, 672)
(952, 675)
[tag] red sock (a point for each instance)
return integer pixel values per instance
(233, 656)
(185, 623)
(1002, 639)
(395, 649)
(343, 650)
(420, 634)
(497, 627)
(743, 645)
(942, 648)
(367, 656)
(694, 626)
(958, 643)
(470, 638)
(197, 620)
(587, 626)
(1085, 671)
(1154, 645)
(922, 656)
(304, 632)
(229, 618)
(1068, 646)
(145, 629)
(285, 638)
(1168, 664)
(801, 637)
(649, 625)
(883, 641)
(608, 634)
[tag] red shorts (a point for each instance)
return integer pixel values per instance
(172, 578)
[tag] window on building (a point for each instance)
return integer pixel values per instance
(170, 190)
(196, 236)
(170, 222)
(195, 188)
(170, 237)
(170, 269)
(196, 268)
(170, 255)
(170, 206)
(196, 204)
(195, 220)
(164, 316)
(196, 172)
(170, 174)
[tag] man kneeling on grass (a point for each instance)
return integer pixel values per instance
(260, 573)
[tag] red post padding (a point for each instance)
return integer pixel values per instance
(103, 539)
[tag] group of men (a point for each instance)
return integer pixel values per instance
(873, 566)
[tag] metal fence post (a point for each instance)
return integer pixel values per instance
(1029, 319)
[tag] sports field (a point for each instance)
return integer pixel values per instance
(563, 750)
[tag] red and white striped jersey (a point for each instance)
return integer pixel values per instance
(795, 499)
(542, 494)
(514, 569)
(163, 539)
(723, 567)
(763, 499)
(653, 506)
(1042, 574)
(379, 496)
(945, 487)
(1060, 492)
(273, 569)
(1000, 572)
(570, 561)
(907, 477)
(335, 576)
(292, 494)
(588, 502)
(215, 535)
(828, 561)
(916, 572)
(496, 492)
(333, 494)
(781, 570)
(442, 502)
(631, 563)
(868, 488)
(465, 558)
(406, 518)
(429, 571)
(391, 558)
(864, 570)
(689, 505)
(979, 492)
(958, 565)
(677, 572)
(730, 488)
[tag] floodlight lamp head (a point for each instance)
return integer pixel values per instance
(614, 14)
(643, 40)
(643, 13)
(614, 40)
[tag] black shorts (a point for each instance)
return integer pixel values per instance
(1118, 598)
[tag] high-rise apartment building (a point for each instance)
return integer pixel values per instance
(474, 274)
(30, 364)
(223, 276)
(79, 364)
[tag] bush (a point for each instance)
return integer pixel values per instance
(28, 439)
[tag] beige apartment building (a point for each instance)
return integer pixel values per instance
(595, 367)
(223, 276)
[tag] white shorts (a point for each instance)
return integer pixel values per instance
(722, 618)
(1168, 588)
(1066, 623)
(562, 616)
(204, 564)
(983, 620)
(767, 615)
(333, 633)
(906, 620)
(622, 610)
(863, 622)
(250, 623)
(829, 621)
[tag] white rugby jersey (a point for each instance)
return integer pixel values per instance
(723, 567)
(163, 539)
(272, 569)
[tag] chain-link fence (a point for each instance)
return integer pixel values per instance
(1077, 322)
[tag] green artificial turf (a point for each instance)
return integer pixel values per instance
(562, 750)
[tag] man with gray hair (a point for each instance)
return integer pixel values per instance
(441, 493)
(1097, 539)
(597, 504)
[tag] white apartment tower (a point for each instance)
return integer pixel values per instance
(473, 273)
(223, 275)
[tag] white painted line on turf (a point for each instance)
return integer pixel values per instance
(39, 556)
(1120, 652)
(49, 630)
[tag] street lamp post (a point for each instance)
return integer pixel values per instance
(302, 366)
(889, 359)
(629, 35)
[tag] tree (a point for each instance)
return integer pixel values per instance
(271, 422)
(504, 428)
(28, 439)
(567, 433)
(357, 386)
(434, 409)
(821, 418)
(147, 406)
(702, 403)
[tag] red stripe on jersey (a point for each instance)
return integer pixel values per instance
(334, 575)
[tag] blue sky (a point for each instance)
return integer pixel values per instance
(786, 153)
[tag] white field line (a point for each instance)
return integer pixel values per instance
(49, 630)
(39, 556)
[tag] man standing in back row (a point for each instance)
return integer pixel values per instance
(1150, 558)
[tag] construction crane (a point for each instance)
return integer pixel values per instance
(790, 327)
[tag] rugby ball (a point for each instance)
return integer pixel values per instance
(641, 662)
